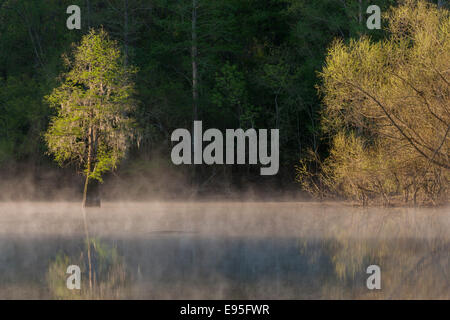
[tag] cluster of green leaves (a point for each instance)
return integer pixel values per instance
(92, 126)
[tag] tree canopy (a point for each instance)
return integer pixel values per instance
(387, 108)
(92, 127)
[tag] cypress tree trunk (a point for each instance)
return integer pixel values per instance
(91, 192)
(90, 199)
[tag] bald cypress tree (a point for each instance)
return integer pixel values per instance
(92, 126)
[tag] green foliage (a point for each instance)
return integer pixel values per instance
(230, 95)
(21, 118)
(386, 109)
(91, 127)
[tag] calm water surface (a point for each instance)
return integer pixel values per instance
(233, 250)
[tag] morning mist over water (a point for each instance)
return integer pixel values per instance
(230, 250)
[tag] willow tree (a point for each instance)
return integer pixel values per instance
(92, 126)
(386, 108)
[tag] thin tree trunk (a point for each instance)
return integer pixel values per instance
(125, 31)
(85, 191)
(88, 169)
(88, 5)
(277, 111)
(86, 203)
(311, 114)
(91, 194)
(194, 51)
(360, 12)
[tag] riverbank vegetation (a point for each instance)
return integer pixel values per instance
(387, 112)
(377, 131)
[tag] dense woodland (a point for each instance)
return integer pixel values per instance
(242, 64)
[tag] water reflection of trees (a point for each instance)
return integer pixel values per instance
(412, 251)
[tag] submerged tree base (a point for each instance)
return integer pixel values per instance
(92, 203)
(91, 197)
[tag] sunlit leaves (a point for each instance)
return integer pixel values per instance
(93, 104)
(387, 107)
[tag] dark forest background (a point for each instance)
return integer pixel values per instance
(256, 62)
